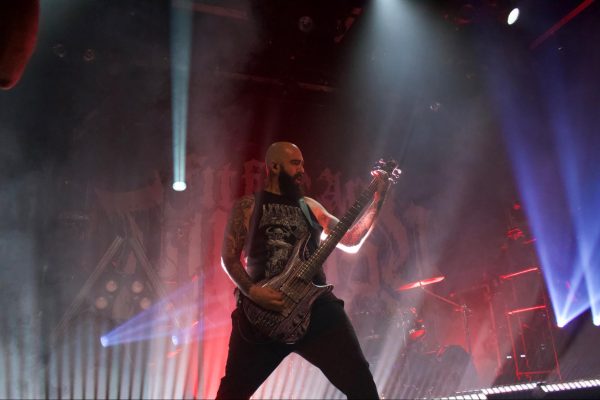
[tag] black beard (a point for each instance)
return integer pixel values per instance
(288, 187)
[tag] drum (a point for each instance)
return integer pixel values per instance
(410, 325)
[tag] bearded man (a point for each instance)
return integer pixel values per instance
(263, 228)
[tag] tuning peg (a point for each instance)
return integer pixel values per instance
(395, 175)
(390, 167)
(387, 166)
(379, 165)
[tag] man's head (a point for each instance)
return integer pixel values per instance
(285, 168)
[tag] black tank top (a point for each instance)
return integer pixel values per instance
(275, 226)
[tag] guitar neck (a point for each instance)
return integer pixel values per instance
(337, 233)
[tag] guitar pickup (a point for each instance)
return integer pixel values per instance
(294, 294)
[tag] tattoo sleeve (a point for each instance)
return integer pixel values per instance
(234, 240)
(363, 225)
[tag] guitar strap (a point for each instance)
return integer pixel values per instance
(312, 222)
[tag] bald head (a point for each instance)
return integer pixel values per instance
(285, 169)
(281, 152)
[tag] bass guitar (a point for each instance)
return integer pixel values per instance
(295, 281)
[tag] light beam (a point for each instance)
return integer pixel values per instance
(181, 38)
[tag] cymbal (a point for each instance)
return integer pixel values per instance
(421, 283)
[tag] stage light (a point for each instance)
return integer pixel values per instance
(306, 24)
(59, 50)
(534, 390)
(509, 388)
(101, 303)
(435, 106)
(104, 341)
(89, 55)
(560, 387)
(137, 287)
(557, 186)
(181, 40)
(111, 286)
(513, 16)
(145, 303)
(179, 186)
(158, 320)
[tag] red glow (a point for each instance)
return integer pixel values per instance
(525, 271)
(515, 233)
(420, 283)
(540, 372)
(520, 310)
(582, 6)
(173, 353)
(416, 334)
(20, 23)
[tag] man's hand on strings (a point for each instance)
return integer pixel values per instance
(266, 297)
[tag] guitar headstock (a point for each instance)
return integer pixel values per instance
(389, 166)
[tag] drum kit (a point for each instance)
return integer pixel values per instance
(375, 318)
(399, 326)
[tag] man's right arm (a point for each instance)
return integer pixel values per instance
(236, 233)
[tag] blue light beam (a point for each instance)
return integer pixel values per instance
(551, 158)
(159, 321)
(577, 148)
(181, 38)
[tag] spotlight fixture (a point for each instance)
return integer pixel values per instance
(513, 16)
(179, 186)
(306, 24)
(111, 286)
(435, 106)
(89, 55)
(59, 50)
(137, 287)
(509, 388)
(101, 303)
(585, 389)
(104, 341)
(145, 303)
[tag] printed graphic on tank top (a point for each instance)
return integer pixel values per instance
(277, 224)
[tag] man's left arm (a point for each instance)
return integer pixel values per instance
(359, 231)
(361, 228)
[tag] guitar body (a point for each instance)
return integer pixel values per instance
(291, 324)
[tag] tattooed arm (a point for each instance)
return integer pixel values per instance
(361, 228)
(236, 233)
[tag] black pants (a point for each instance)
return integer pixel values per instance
(330, 344)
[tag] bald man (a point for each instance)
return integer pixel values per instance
(264, 227)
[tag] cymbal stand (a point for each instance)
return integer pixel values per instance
(457, 307)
